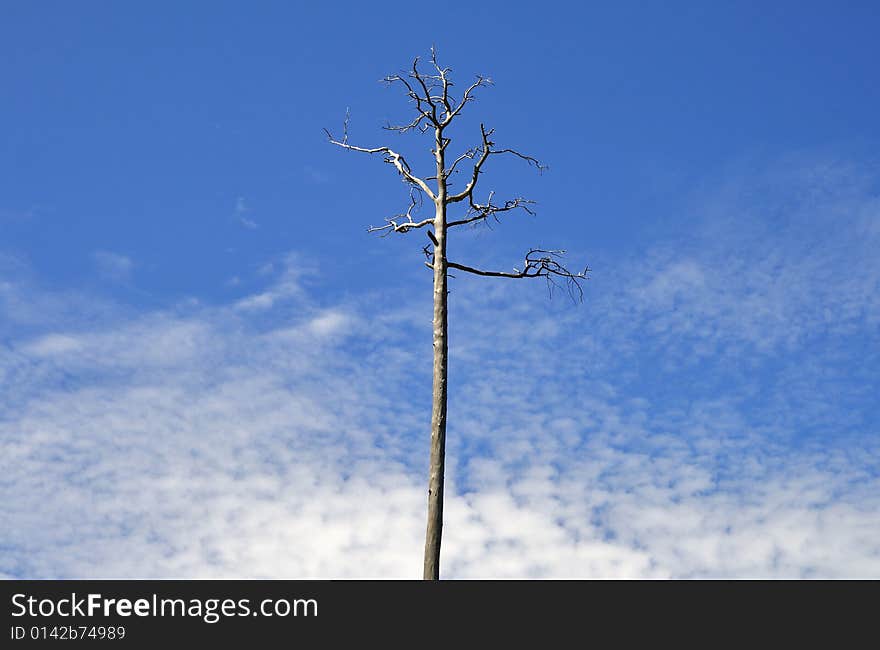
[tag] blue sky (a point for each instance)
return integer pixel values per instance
(210, 369)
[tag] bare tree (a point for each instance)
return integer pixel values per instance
(435, 107)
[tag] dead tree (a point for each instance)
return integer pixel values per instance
(435, 108)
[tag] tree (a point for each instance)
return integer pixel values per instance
(435, 110)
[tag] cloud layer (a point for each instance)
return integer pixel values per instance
(709, 412)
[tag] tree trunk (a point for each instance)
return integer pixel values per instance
(438, 401)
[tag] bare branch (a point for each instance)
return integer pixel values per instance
(417, 123)
(485, 149)
(532, 161)
(403, 227)
(420, 88)
(481, 212)
(390, 156)
(445, 81)
(425, 107)
(415, 74)
(469, 155)
(538, 263)
(466, 97)
(393, 223)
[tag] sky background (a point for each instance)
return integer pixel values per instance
(208, 368)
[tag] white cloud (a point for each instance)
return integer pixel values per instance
(241, 210)
(286, 286)
(113, 266)
(584, 441)
(52, 345)
(162, 340)
(329, 322)
(263, 300)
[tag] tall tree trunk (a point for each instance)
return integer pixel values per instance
(438, 401)
(435, 107)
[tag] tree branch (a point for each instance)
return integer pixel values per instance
(429, 111)
(469, 154)
(538, 263)
(481, 212)
(415, 74)
(415, 124)
(394, 224)
(441, 74)
(390, 156)
(466, 97)
(485, 150)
